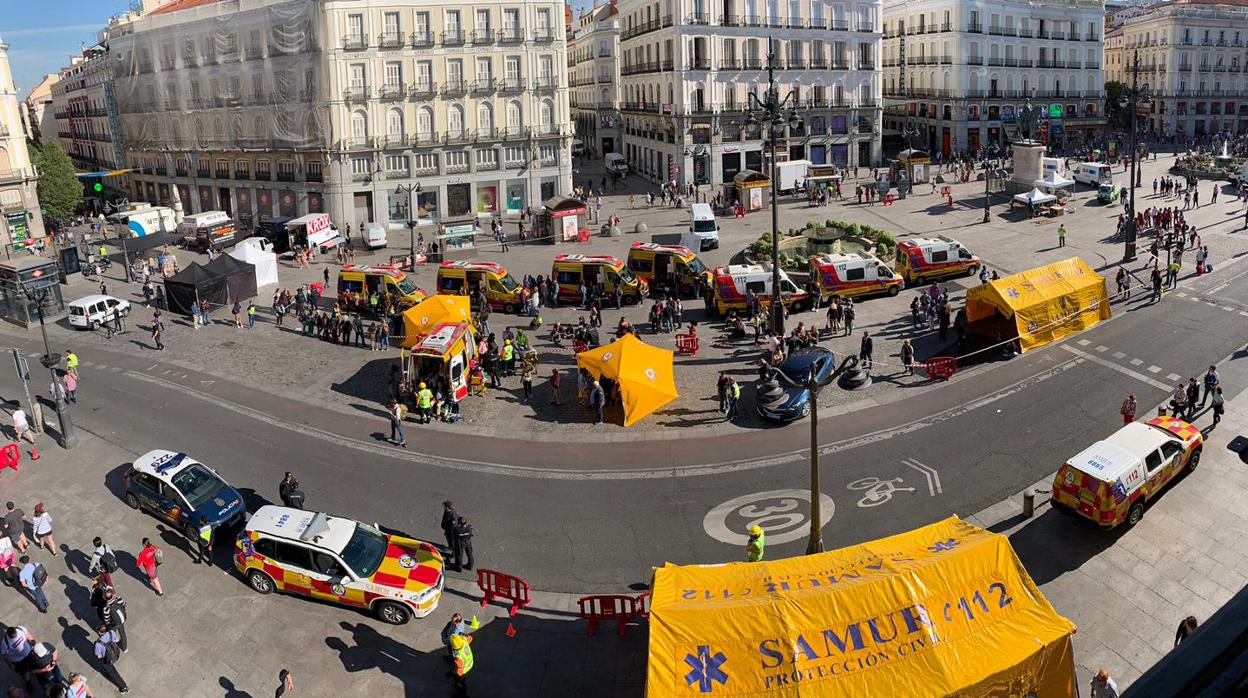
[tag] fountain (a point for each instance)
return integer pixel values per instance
(1224, 160)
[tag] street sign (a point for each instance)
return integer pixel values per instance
(19, 362)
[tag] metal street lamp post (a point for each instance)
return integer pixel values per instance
(50, 361)
(773, 114)
(411, 189)
(1129, 244)
(815, 543)
(992, 153)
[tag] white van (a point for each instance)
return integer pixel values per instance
(1093, 173)
(374, 235)
(703, 224)
(616, 164)
(578, 148)
(89, 312)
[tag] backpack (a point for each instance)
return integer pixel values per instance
(111, 651)
(40, 575)
(117, 612)
(108, 561)
(159, 557)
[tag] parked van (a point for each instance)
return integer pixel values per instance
(668, 268)
(570, 270)
(1111, 481)
(356, 283)
(374, 235)
(848, 275)
(926, 258)
(152, 219)
(732, 285)
(616, 164)
(1093, 173)
(501, 290)
(213, 229)
(90, 312)
(703, 224)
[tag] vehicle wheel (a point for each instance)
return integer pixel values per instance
(1193, 460)
(191, 532)
(132, 501)
(260, 581)
(393, 613)
(972, 270)
(1135, 514)
(125, 313)
(510, 308)
(893, 290)
(631, 300)
(93, 325)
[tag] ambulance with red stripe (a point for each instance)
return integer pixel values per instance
(850, 275)
(341, 561)
(1112, 481)
(732, 286)
(927, 258)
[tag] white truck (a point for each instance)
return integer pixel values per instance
(153, 219)
(791, 174)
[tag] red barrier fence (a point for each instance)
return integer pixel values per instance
(496, 585)
(942, 367)
(687, 344)
(10, 456)
(617, 607)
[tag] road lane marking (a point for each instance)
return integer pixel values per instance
(784, 515)
(1121, 355)
(1174, 377)
(1137, 362)
(1083, 342)
(1121, 369)
(933, 477)
(1154, 369)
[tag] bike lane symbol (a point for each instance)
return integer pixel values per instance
(877, 491)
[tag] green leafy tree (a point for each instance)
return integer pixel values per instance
(59, 190)
(1118, 115)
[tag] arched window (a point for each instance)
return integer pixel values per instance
(424, 123)
(394, 123)
(359, 126)
(455, 120)
(515, 117)
(546, 115)
(485, 117)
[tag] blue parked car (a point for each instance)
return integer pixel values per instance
(792, 400)
(176, 488)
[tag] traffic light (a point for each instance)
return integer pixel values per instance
(98, 187)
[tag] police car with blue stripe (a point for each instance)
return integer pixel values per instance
(178, 489)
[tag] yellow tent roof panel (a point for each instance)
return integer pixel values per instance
(942, 610)
(1046, 303)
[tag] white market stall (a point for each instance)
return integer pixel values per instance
(1054, 183)
(258, 253)
(1035, 197)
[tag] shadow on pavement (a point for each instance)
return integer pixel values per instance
(1239, 445)
(371, 382)
(231, 691)
(1054, 544)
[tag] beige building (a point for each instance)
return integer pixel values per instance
(594, 77)
(1194, 60)
(39, 110)
(20, 218)
(80, 104)
(276, 108)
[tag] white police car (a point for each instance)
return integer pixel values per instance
(179, 489)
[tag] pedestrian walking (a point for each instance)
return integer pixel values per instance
(21, 426)
(396, 413)
(71, 362)
(1193, 392)
(113, 615)
(847, 314)
(41, 526)
(71, 386)
(43, 664)
(148, 561)
(556, 387)
(103, 561)
(15, 526)
(16, 644)
(1187, 626)
(527, 369)
(865, 349)
(204, 541)
(8, 562)
(1061, 235)
(285, 683)
(755, 545)
(251, 315)
(463, 544)
(108, 652)
(907, 357)
(449, 518)
(1129, 409)
(1103, 686)
(76, 687)
(157, 334)
(289, 492)
(1219, 405)
(734, 398)
(596, 400)
(237, 311)
(32, 578)
(1211, 381)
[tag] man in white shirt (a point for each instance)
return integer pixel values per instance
(21, 426)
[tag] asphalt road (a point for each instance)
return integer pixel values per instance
(603, 514)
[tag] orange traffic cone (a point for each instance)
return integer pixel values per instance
(34, 453)
(511, 630)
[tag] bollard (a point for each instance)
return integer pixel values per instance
(1162, 411)
(1029, 503)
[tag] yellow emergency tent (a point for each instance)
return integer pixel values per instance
(1042, 304)
(943, 610)
(421, 318)
(645, 374)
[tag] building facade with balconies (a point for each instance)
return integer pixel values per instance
(594, 79)
(467, 102)
(1194, 61)
(959, 72)
(688, 68)
(84, 113)
(20, 217)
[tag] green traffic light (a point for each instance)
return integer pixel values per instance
(98, 187)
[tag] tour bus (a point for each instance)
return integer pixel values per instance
(856, 274)
(668, 268)
(501, 290)
(732, 285)
(933, 257)
(357, 282)
(570, 270)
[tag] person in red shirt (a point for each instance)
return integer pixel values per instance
(148, 560)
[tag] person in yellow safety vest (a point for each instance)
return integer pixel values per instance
(71, 363)
(509, 358)
(754, 547)
(461, 652)
(424, 403)
(205, 542)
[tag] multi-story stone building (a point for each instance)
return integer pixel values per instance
(688, 68)
(39, 110)
(959, 72)
(276, 108)
(82, 106)
(1194, 60)
(20, 217)
(594, 79)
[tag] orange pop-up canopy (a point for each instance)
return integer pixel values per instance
(420, 319)
(645, 374)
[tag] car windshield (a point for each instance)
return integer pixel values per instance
(197, 484)
(704, 226)
(364, 552)
(799, 375)
(696, 266)
(406, 286)
(508, 283)
(626, 274)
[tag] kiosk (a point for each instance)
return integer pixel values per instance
(751, 189)
(562, 219)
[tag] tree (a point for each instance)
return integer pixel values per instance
(59, 190)
(1118, 115)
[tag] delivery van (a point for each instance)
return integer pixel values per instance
(357, 283)
(703, 224)
(1093, 173)
(571, 270)
(152, 219)
(313, 230)
(447, 351)
(616, 164)
(1111, 481)
(374, 235)
(732, 286)
(849, 275)
(926, 258)
(669, 268)
(501, 290)
(213, 229)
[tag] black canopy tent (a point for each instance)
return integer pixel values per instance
(131, 246)
(240, 276)
(193, 284)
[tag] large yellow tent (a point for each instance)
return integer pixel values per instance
(1045, 303)
(943, 610)
(420, 319)
(645, 374)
